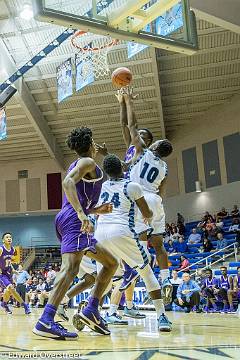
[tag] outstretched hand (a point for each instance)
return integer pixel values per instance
(102, 149)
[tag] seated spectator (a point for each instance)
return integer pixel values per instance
(31, 292)
(221, 242)
(56, 267)
(45, 293)
(175, 281)
(194, 238)
(222, 214)
(175, 234)
(51, 273)
(181, 228)
(235, 227)
(170, 247)
(168, 229)
(209, 290)
(181, 246)
(234, 291)
(223, 287)
(235, 212)
(207, 245)
(188, 294)
(184, 263)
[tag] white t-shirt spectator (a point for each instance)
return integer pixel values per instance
(41, 287)
(51, 274)
(178, 281)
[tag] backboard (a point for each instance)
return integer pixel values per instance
(167, 24)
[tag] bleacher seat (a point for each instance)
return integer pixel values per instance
(234, 264)
(230, 272)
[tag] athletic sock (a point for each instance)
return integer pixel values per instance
(129, 305)
(164, 274)
(93, 303)
(159, 306)
(113, 309)
(49, 313)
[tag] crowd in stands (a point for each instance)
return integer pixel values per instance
(209, 232)
(34, 286)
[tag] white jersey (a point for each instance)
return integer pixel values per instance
(149, 171)
(122, 194)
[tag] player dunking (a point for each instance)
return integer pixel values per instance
(150, 171)
(115, 231)
(82, 187)
(7, 252)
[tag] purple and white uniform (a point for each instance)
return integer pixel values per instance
(224, 283)
(6, 267)
(130, 153)
(67, 223)
(209, 283)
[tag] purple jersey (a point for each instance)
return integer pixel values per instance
(209, 283)
(224, 283)
(6, 260)
(67, 223)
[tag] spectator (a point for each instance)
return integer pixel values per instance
(51, 273)
(181, 246)
(31, 291)
(175, 234)
(45, 293)
(209, 290)
(175, 281)
(188, 294)
(221, 242)
(168, 229)
(170, 247)
(222, 214)
(235, 212)
(235, 227)
(56, 267)
(20, 278)
(180, 219)
(184, 263)
(207, 245)
(40, 288)
(212, 234)
(208, 216)
(194, 238)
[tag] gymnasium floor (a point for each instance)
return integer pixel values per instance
(192, 338)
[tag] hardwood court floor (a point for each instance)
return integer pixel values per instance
(194, 336)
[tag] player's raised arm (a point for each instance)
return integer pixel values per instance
(136, 139)
(123, 119)
(83, 167)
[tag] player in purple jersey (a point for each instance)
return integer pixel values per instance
(82, 187)
(224, 286)
(7, 252)
(234, 291)
(209, 289)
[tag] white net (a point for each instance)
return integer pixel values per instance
(93, 50)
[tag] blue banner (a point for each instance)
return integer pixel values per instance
(170, 21)
(3, 125)
(64, 80)
(84, 72)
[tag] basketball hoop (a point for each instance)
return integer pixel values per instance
(93, 49)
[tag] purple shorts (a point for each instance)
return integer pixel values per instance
(5, 280)
(69, 234)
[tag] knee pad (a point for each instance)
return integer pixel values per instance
(149, 279)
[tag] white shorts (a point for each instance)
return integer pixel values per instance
(86, 267)
(120, 242)
(158, 223)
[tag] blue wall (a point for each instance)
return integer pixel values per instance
(30, 230)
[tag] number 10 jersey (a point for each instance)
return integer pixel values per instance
(149, 171)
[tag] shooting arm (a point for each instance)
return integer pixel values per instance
(124, 124)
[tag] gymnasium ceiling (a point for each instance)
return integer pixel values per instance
(189, 86)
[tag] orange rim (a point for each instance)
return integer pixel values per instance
(80, 33)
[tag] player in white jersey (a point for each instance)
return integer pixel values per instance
(149, 170)
(116, 231)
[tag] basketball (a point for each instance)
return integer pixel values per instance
(121, 77)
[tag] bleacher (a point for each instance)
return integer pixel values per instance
(193, 254)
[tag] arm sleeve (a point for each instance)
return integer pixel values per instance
(134, 191)
(195, 287)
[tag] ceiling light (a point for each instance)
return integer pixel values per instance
(26, 214)
(27, 12)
